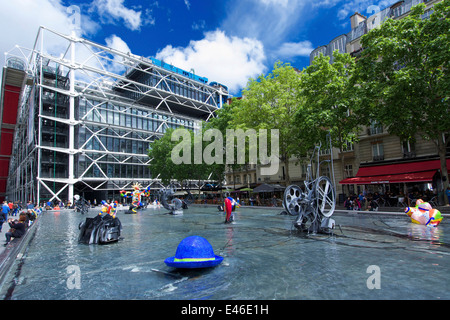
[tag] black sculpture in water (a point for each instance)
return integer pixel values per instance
(100, 230)
(176, 206)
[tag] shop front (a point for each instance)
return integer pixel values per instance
(422, 177)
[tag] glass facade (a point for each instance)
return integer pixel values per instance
(85, 130)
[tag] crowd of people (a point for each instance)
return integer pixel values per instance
(17, 227)
(367, 201)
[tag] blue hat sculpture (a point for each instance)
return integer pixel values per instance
(194, 252)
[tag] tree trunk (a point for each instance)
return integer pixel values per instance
(444, 169)
(287, 179)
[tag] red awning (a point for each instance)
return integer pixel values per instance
(421, 171)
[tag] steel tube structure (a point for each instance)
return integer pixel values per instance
(88, 114)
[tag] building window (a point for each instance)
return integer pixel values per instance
(408, 149)
(377, 151)
(324, 152)
(348, 171)
(375, 128)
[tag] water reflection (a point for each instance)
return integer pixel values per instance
(421, 232)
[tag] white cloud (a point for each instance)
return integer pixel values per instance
(228, 60)
(113, 10)
(24, 17)
(188, 4)
(198, 25)
(117, 43)
(295, 49)
(272, 22)
(20, 21)
(282, 3)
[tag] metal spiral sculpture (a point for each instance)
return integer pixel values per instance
(315, 203)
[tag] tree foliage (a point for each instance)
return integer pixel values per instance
(403, 74)
(329, 102)
(270, 102)
(163, 166)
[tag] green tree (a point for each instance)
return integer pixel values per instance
(403, 74)
(222, 121)
(270, 102)
(163, 165)
(328, 103)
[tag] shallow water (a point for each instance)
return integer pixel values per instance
(264, 258)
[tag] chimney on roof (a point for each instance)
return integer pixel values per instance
(356, 19)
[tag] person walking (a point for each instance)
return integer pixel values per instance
(5, 208)
(3, 214)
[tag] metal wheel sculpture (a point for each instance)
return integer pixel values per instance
(292, 199)
(315, 203)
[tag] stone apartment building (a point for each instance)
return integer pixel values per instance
(379, 162)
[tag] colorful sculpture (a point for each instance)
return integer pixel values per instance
(135, 196)
(229, 205)
(424, 214)
(109, 209)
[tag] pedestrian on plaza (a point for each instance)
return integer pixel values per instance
(447, 192)
(30, 205)
(274, 201)
(3, 217)
(15, 209)
(356, 205)
(17, 229)
(362, 199)
(348, 203)
(5, 208)
(258, 203)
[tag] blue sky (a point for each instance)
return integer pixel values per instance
(228, 41)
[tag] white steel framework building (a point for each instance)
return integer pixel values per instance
(88, 114)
